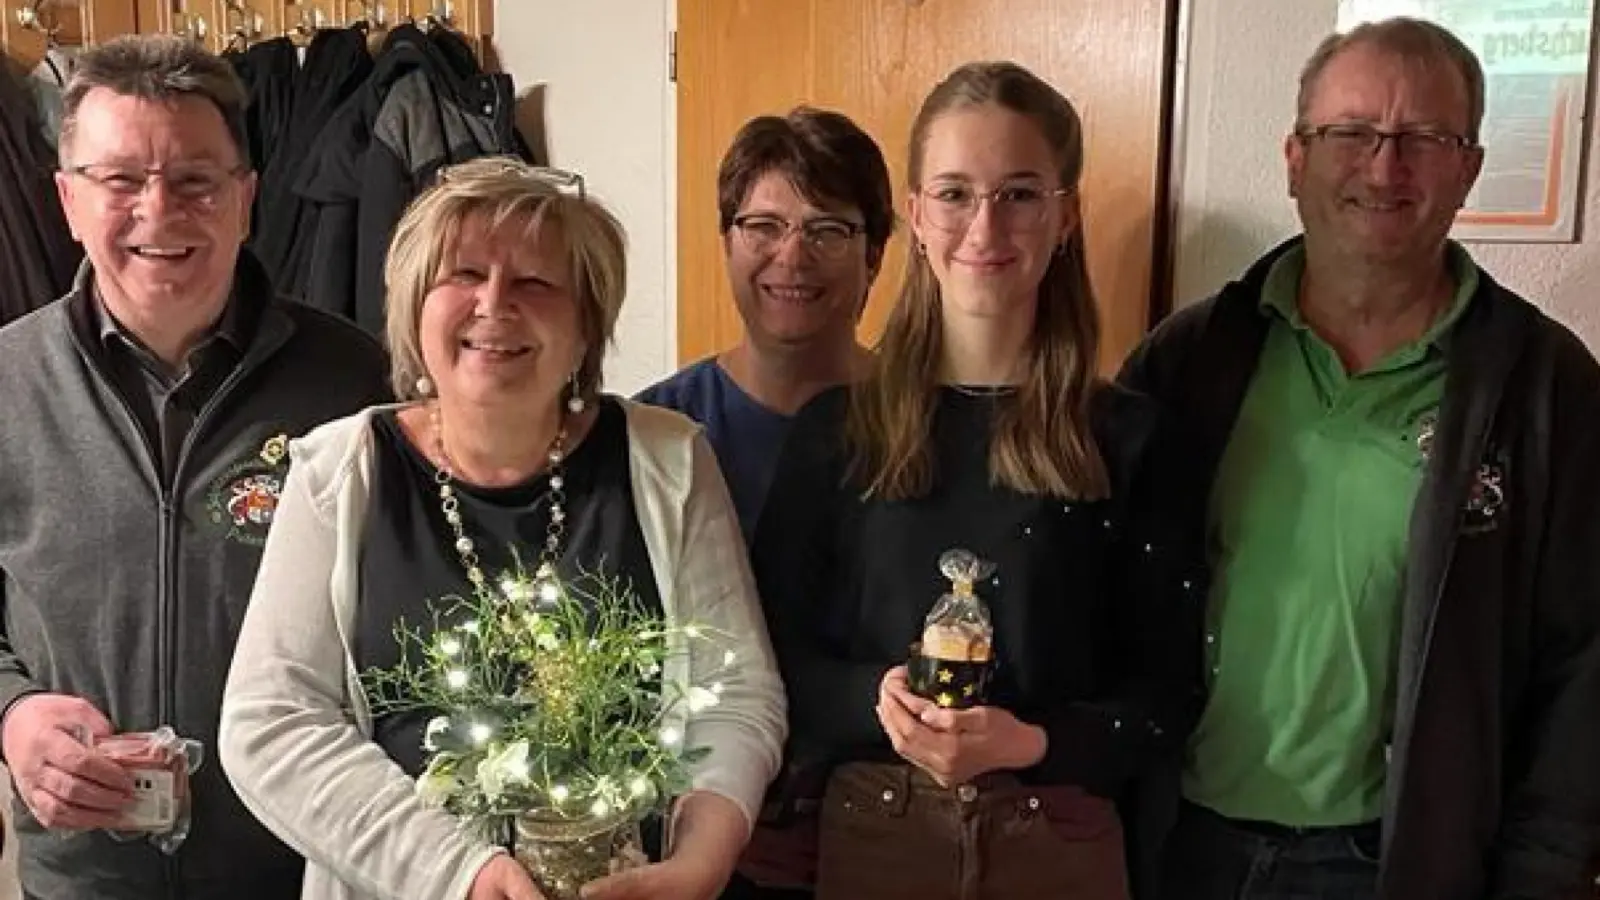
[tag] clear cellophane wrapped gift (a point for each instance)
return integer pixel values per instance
(952, 663)
(160, 763)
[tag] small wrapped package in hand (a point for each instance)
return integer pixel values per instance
(160, 763)
(952, 663)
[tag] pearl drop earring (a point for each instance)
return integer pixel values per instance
(424, 386)
(575, 402)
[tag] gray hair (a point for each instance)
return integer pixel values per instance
(1413, 40)
(156, 67)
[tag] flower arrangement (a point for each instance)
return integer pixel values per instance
(549, 702)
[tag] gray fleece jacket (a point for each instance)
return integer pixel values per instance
(130, 595)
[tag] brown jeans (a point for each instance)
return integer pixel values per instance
(889, 831)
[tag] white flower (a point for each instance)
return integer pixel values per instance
(716, 688)
(437, 784)
(670, 736)
(436, 726)
(516, 590)
(450, 646)
(729, 657)
(559, 793)
(600, 808)
(548, 592)
(639, 786)
(503, 768)
(457, 678)
(701, 699)
(470, 627)
(481, 733)
(546, 641)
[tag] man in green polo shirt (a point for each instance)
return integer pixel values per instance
(1403, 634)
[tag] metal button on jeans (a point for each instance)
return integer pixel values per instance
(966, 793)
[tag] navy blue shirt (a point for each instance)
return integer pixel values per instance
(746, 436)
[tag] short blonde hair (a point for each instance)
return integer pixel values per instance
(503, 188)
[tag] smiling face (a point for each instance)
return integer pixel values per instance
(989, 255)
(1382, 207)
(164, 247)
(790, 295)
(500, 327)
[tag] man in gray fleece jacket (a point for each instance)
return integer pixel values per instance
(146, 416)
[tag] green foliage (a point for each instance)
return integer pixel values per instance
(547, 699)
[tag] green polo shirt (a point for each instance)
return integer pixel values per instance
(1309, 519)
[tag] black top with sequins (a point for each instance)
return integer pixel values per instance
(1096, 605)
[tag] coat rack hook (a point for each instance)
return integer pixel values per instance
(39, 16)
(373, 14)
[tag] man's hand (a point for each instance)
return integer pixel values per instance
(954, 746)
(503, 878)
(674, 879)
(63, 782)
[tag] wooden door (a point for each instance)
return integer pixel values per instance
(874, 60)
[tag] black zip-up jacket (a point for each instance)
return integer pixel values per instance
(1494, 776)
(130, 595)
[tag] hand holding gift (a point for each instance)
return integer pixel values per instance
(63, 781)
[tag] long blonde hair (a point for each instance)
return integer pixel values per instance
(1043, 442)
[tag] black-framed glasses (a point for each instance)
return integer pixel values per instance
(197, 183)
(562, 180)
(952, 205)
(1357, 140)
(828, 238)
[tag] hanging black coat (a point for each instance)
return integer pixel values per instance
(37, 253)
(291, 105)
(267, 70)
(428, 104)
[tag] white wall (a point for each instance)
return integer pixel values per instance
(1244, 58)
(601, 69)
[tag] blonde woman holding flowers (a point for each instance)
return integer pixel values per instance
(504, 285)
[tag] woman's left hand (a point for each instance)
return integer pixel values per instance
(673, 879)
(954, 746)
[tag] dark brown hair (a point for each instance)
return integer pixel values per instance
(157, 67)
(828, 159)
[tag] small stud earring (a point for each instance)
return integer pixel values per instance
(425, 386)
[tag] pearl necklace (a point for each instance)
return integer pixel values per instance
(451, 505)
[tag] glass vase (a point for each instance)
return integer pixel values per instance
(564, 854)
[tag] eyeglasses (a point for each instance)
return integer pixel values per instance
(952, 205)
(560, 179)
(196, 184)
(829, 239)
(1356, 141)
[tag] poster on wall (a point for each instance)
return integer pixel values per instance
(1536, 61)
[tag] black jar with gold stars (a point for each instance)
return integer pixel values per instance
(953, 662)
